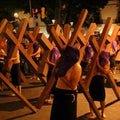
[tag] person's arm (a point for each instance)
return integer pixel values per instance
(50, 63)
(36, 53)
(16, 58)
(13, 58)
(104, 69)
(2, 52)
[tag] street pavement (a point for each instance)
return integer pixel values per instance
(12, 108)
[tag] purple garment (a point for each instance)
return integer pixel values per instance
(35, 46)
(69, 57)
(104, 58)
(88, 52)
(114, 46)
(55, 54)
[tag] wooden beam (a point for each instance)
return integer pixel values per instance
(101, 43)
(11, 86)
(78, 26)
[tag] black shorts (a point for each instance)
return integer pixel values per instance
(15, 74)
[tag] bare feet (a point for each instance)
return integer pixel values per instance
(90, 115)
(103, 115)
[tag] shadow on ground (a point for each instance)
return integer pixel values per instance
(84, 117)
(11, 106)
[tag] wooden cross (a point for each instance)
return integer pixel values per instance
(75, 35)
(10, 85)
(11, 36)
(59, 40)
(18, 39)
(46, 43)
(115, 33)
(6, 31)
(58, 37)
(33, 37)
(97, 47)
(66, 31)
(47, 46)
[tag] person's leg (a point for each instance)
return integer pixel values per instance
(90, 114)
(19, 88)
(102, 103)
(49, 99)
(15, 75)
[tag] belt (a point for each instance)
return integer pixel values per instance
(72, 96)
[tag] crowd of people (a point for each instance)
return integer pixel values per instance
(68, 71)
(68, 75)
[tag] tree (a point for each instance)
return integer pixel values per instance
(63, 11)
(71, 9)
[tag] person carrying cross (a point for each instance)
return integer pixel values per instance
(96, 88)
(67, 73)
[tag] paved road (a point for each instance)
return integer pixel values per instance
(12, 108)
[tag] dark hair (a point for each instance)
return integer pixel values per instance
(69, 57)
(88, 52)
(35, 46)
(104, 58)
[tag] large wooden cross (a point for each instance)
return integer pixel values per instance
(97, 47)
(76, 35)
(58, 39)
(10, 85)
(33, 37)
(18, 39)
(4, 29)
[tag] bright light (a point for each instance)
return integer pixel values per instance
(16, 15)
(53, 21)
(71, 23)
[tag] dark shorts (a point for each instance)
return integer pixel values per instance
(64, 105)
(15, 74)
(97, 89)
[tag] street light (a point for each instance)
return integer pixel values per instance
(53, 21)
(16, 15)
(71, 23)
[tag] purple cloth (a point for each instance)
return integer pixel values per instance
(88, 52)
(104, 58)
(35, 46)
(55, 54)
(114, 46)
(69, 57)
